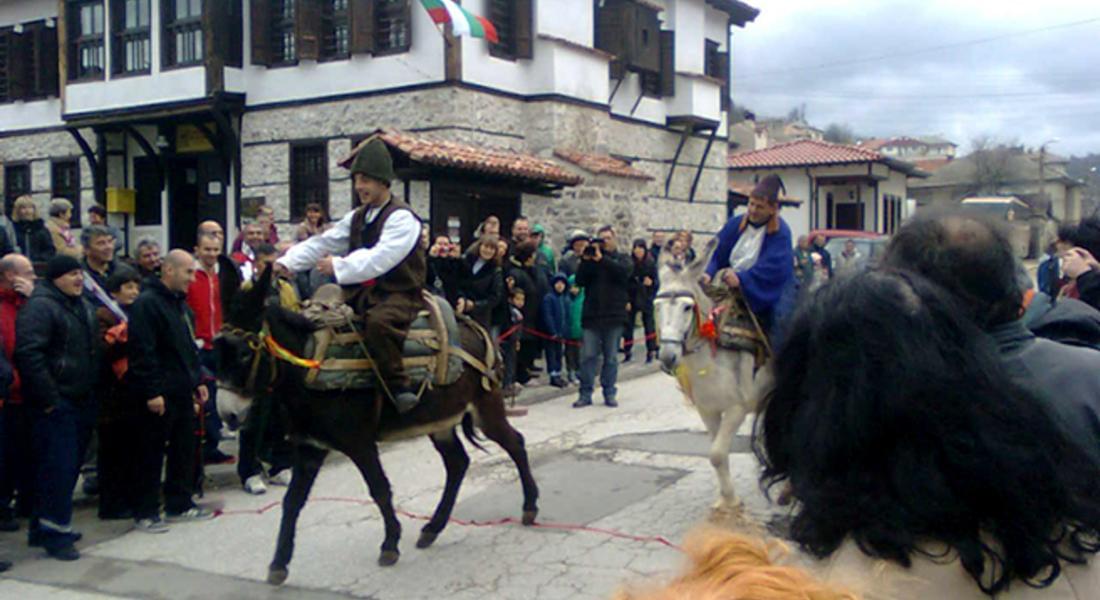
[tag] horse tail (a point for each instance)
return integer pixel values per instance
(471, 433)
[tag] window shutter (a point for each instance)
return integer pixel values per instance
(610, 35)
(307, 29)
(362, 26)
(668, 63)
(722, 66)
(524, 29)
(19, 55)
(646, 51)
(260, 31)
(47, 61)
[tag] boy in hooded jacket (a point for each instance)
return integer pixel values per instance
(552, 315)
(574, 332)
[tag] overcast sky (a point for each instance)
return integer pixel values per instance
(1029, 86)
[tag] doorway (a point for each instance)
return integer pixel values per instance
(457, 209)
(196, 193)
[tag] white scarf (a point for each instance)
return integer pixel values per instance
(748, 246)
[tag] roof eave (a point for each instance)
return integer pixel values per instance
(740, 13)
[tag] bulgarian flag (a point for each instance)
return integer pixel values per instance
(463, 22)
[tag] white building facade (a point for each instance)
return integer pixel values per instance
(206, 109)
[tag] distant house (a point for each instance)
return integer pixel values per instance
(1004, 172)
(751, 134)
(929, 153)
(842, 187)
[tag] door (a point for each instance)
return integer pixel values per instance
(847, 216)
(196, 193)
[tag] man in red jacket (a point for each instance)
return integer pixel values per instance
(16, 472)
(204, 296)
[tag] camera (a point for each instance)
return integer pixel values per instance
(590, 250)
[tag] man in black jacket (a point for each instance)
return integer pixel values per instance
(974, 261)
(603, 273)
(165, 375)
(58, 362)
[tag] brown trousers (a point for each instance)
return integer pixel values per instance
(388, 318)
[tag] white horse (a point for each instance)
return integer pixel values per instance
(722, 384)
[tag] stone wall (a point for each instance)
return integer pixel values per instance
(39, 149)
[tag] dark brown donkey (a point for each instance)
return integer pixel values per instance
(352, 422)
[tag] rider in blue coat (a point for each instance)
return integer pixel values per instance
(756, 248)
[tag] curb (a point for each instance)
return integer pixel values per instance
(546, 392)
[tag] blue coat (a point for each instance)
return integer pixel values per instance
(552, 314)
(765, 284)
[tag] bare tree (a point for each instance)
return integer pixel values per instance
(840, 133)
(991, 164)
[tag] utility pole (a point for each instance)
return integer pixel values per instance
(1040, 207)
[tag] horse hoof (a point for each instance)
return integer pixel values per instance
(529, 517)
(427, 538)
(276, 576)
(388, 558)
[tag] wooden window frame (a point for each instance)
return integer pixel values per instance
(388, 15)
(78, 43)
(502, 13)
(716, 64)
(10, 195)
(7, 40)
(28, 64)
(72, 194)
(122, 36)
(279, 25)
(301, 184)
(173, 26)
(333, 18)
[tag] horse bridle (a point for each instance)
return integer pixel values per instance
(697, 317)
(256, 344)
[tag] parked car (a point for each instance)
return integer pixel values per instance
(870, 244)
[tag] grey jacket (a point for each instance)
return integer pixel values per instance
(1066, 378)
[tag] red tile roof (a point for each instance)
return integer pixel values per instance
(745, 189)
(480, 159)
(931, 164)
(601, 164)
(803, 153)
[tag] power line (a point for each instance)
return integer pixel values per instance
(920, 51)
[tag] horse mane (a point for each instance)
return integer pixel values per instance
(296, 323)
(728, 566)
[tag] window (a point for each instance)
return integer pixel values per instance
(283, 49)
(6, 39)
(183, 34)
(651, 84)
(502, 13)
(392, 26)
(336, 30)
(717, 65)
(86, 60)
(17, 181)
(131, 51)
(65, 183)
(308, 177)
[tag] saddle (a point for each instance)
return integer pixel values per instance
(736, 327)
(432, 355)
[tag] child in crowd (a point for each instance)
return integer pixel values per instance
(552, 316)
(574, 333)
(510, 344)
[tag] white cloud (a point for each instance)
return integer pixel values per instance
(1026, 86)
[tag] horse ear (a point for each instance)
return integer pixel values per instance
(248, 305)
(702, 259)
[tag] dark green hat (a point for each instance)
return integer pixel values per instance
(373, 160)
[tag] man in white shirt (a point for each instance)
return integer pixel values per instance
(374, 252)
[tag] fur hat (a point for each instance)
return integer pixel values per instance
(373, 160)
(768, 189)
(578, 234)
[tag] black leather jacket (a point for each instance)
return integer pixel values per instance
(55, 349)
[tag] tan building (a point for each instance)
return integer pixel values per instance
(840, 187)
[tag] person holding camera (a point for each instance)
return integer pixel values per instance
(603, 273)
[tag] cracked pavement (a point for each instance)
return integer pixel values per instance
(590, 471)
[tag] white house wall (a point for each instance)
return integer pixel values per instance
(38, 114)
(157, 88)
(717, 29)
(566, 19)
(688, 19)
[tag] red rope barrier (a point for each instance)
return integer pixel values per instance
(657, 539)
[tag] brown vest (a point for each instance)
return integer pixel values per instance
(409, 274)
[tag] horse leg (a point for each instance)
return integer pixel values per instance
(494, 424)
(732, 418)
(713, 423)
(369, 465)
(456, 461)
(307, 463)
